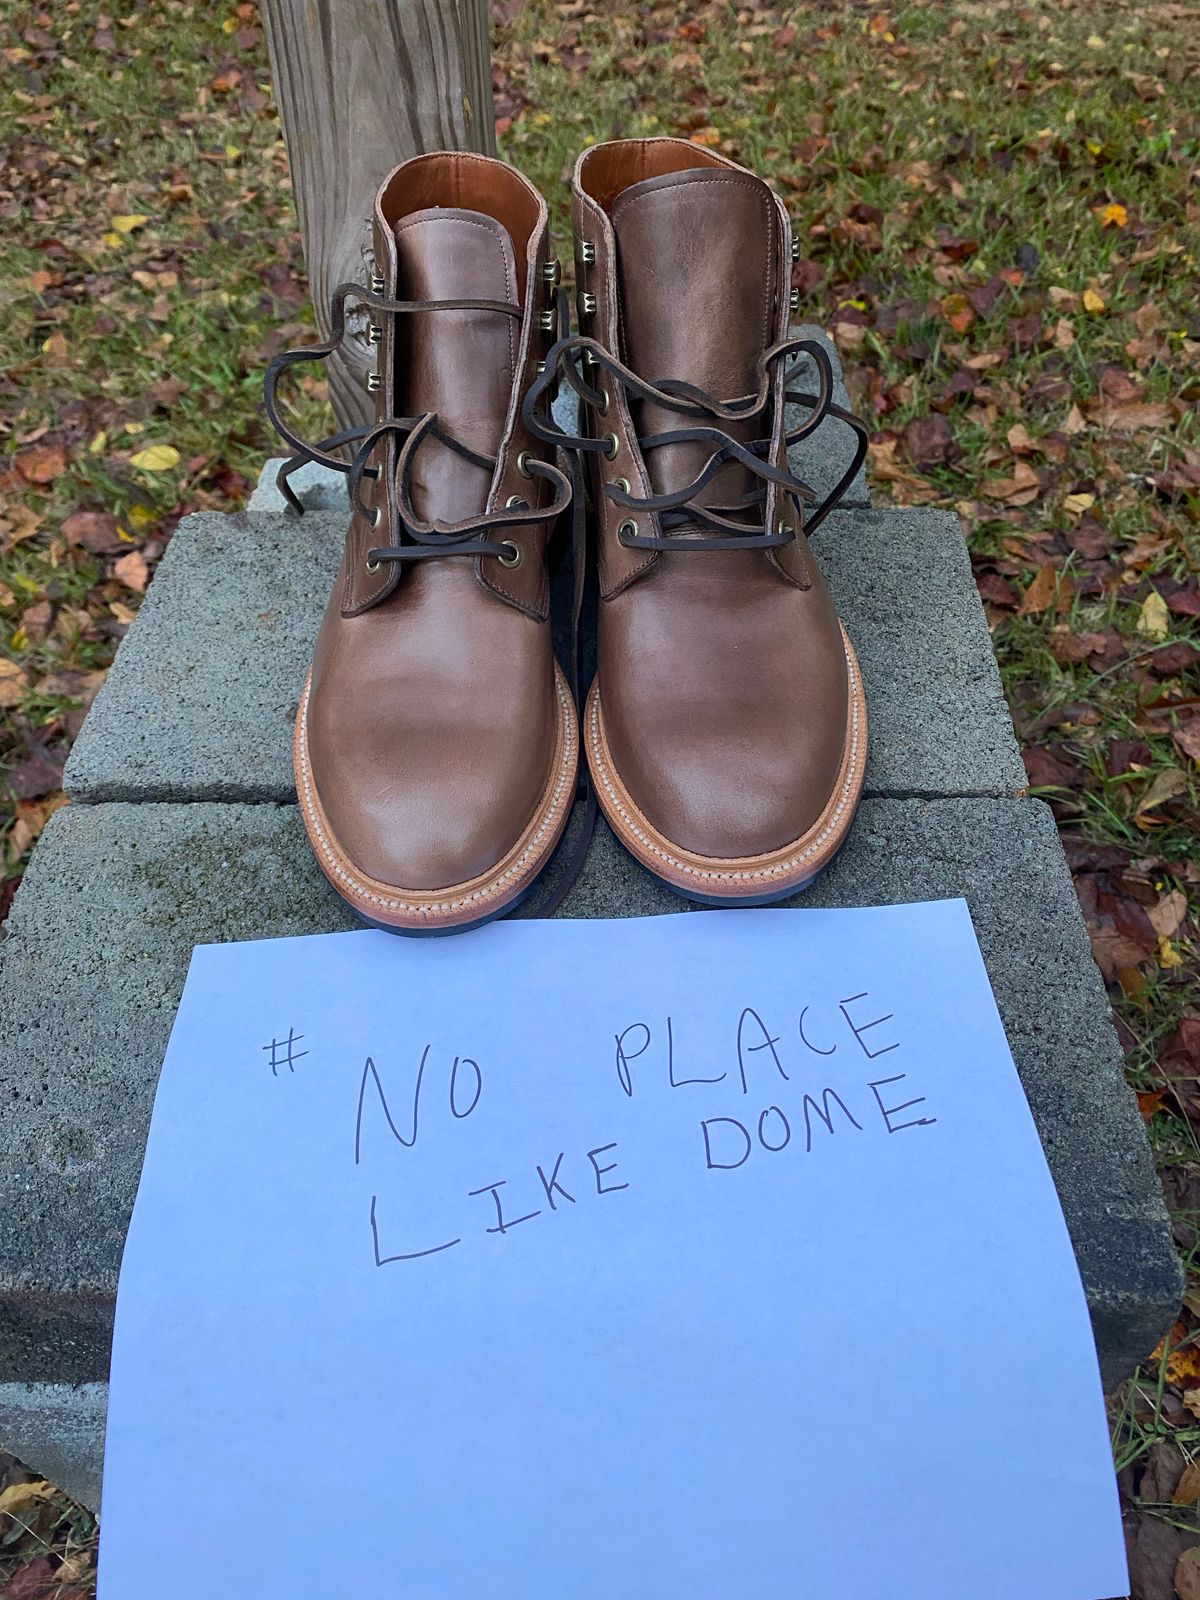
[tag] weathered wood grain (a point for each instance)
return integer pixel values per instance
(362, 85)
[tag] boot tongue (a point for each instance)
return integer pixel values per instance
(696, 254)
(461, 364)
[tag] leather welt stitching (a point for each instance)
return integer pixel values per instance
(780, 868)
(562, 784)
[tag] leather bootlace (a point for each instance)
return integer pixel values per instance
(678, 509)
(421, 538)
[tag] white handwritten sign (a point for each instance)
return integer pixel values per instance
(705, 1257)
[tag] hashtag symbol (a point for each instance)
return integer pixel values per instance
(284, 1053)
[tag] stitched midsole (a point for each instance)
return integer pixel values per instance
(774, 865)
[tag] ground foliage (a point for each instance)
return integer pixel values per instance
(998, 211)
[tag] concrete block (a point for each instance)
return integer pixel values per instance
(117, 895)
(200, 701)
(818, 461)
(59, 1429)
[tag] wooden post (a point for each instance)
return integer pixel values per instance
(362, 85)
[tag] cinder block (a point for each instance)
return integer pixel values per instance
(200, 701)
(117, 895)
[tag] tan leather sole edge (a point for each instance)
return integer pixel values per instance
(480, 899)
(772, 875)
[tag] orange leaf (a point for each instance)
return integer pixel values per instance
(956, 309)
(43, 464)
(1041, 592)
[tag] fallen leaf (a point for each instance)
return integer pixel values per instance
(1041, 593)
(1179, 1058)
(19, 1497)
(132, 571)
(1093, 301)
(40, 773)
(1168, 914)
(929, 441)
(95, 530)
(1023, 487)
(1154, 1548)
(1167, 785)
(1187, 1568)
(1168, 955)
(129, 222)
(1077, 504)
(1154, 620)
(1112, 216)
(1150, 1103)
(13, 683)
(1187, 738)
(1048, 767)
(156, 458)
(42, 464)
(1133, 417)
(998, 590)
(957, 310)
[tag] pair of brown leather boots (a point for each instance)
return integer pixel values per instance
(437, 741)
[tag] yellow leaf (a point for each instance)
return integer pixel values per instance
(142, 516)
(1092, 301)
(135, 427)
(155, 458)
(112, 240)
(229, 25)
(1154, 620)
(1112, 216)
(1168, 955)
(1095, 42)
(20, 1496)
(1077, 504)
(98, 443)
(232, 152)
(19, 639)
(129, 221)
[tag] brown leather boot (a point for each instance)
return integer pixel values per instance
(727, 729)
(436, 744)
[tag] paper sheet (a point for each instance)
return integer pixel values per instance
(707, 1257)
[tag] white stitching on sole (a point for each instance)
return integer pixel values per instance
(477, 896)
(780, 868)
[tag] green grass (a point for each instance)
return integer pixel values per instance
(952, 170)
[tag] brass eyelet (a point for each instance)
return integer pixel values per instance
(513, 501)
(626, 530)
(601, 405)
(372, 566)
(523, 461)
(611, 445)
(376, 516)
(622, 484)
(513, 560)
